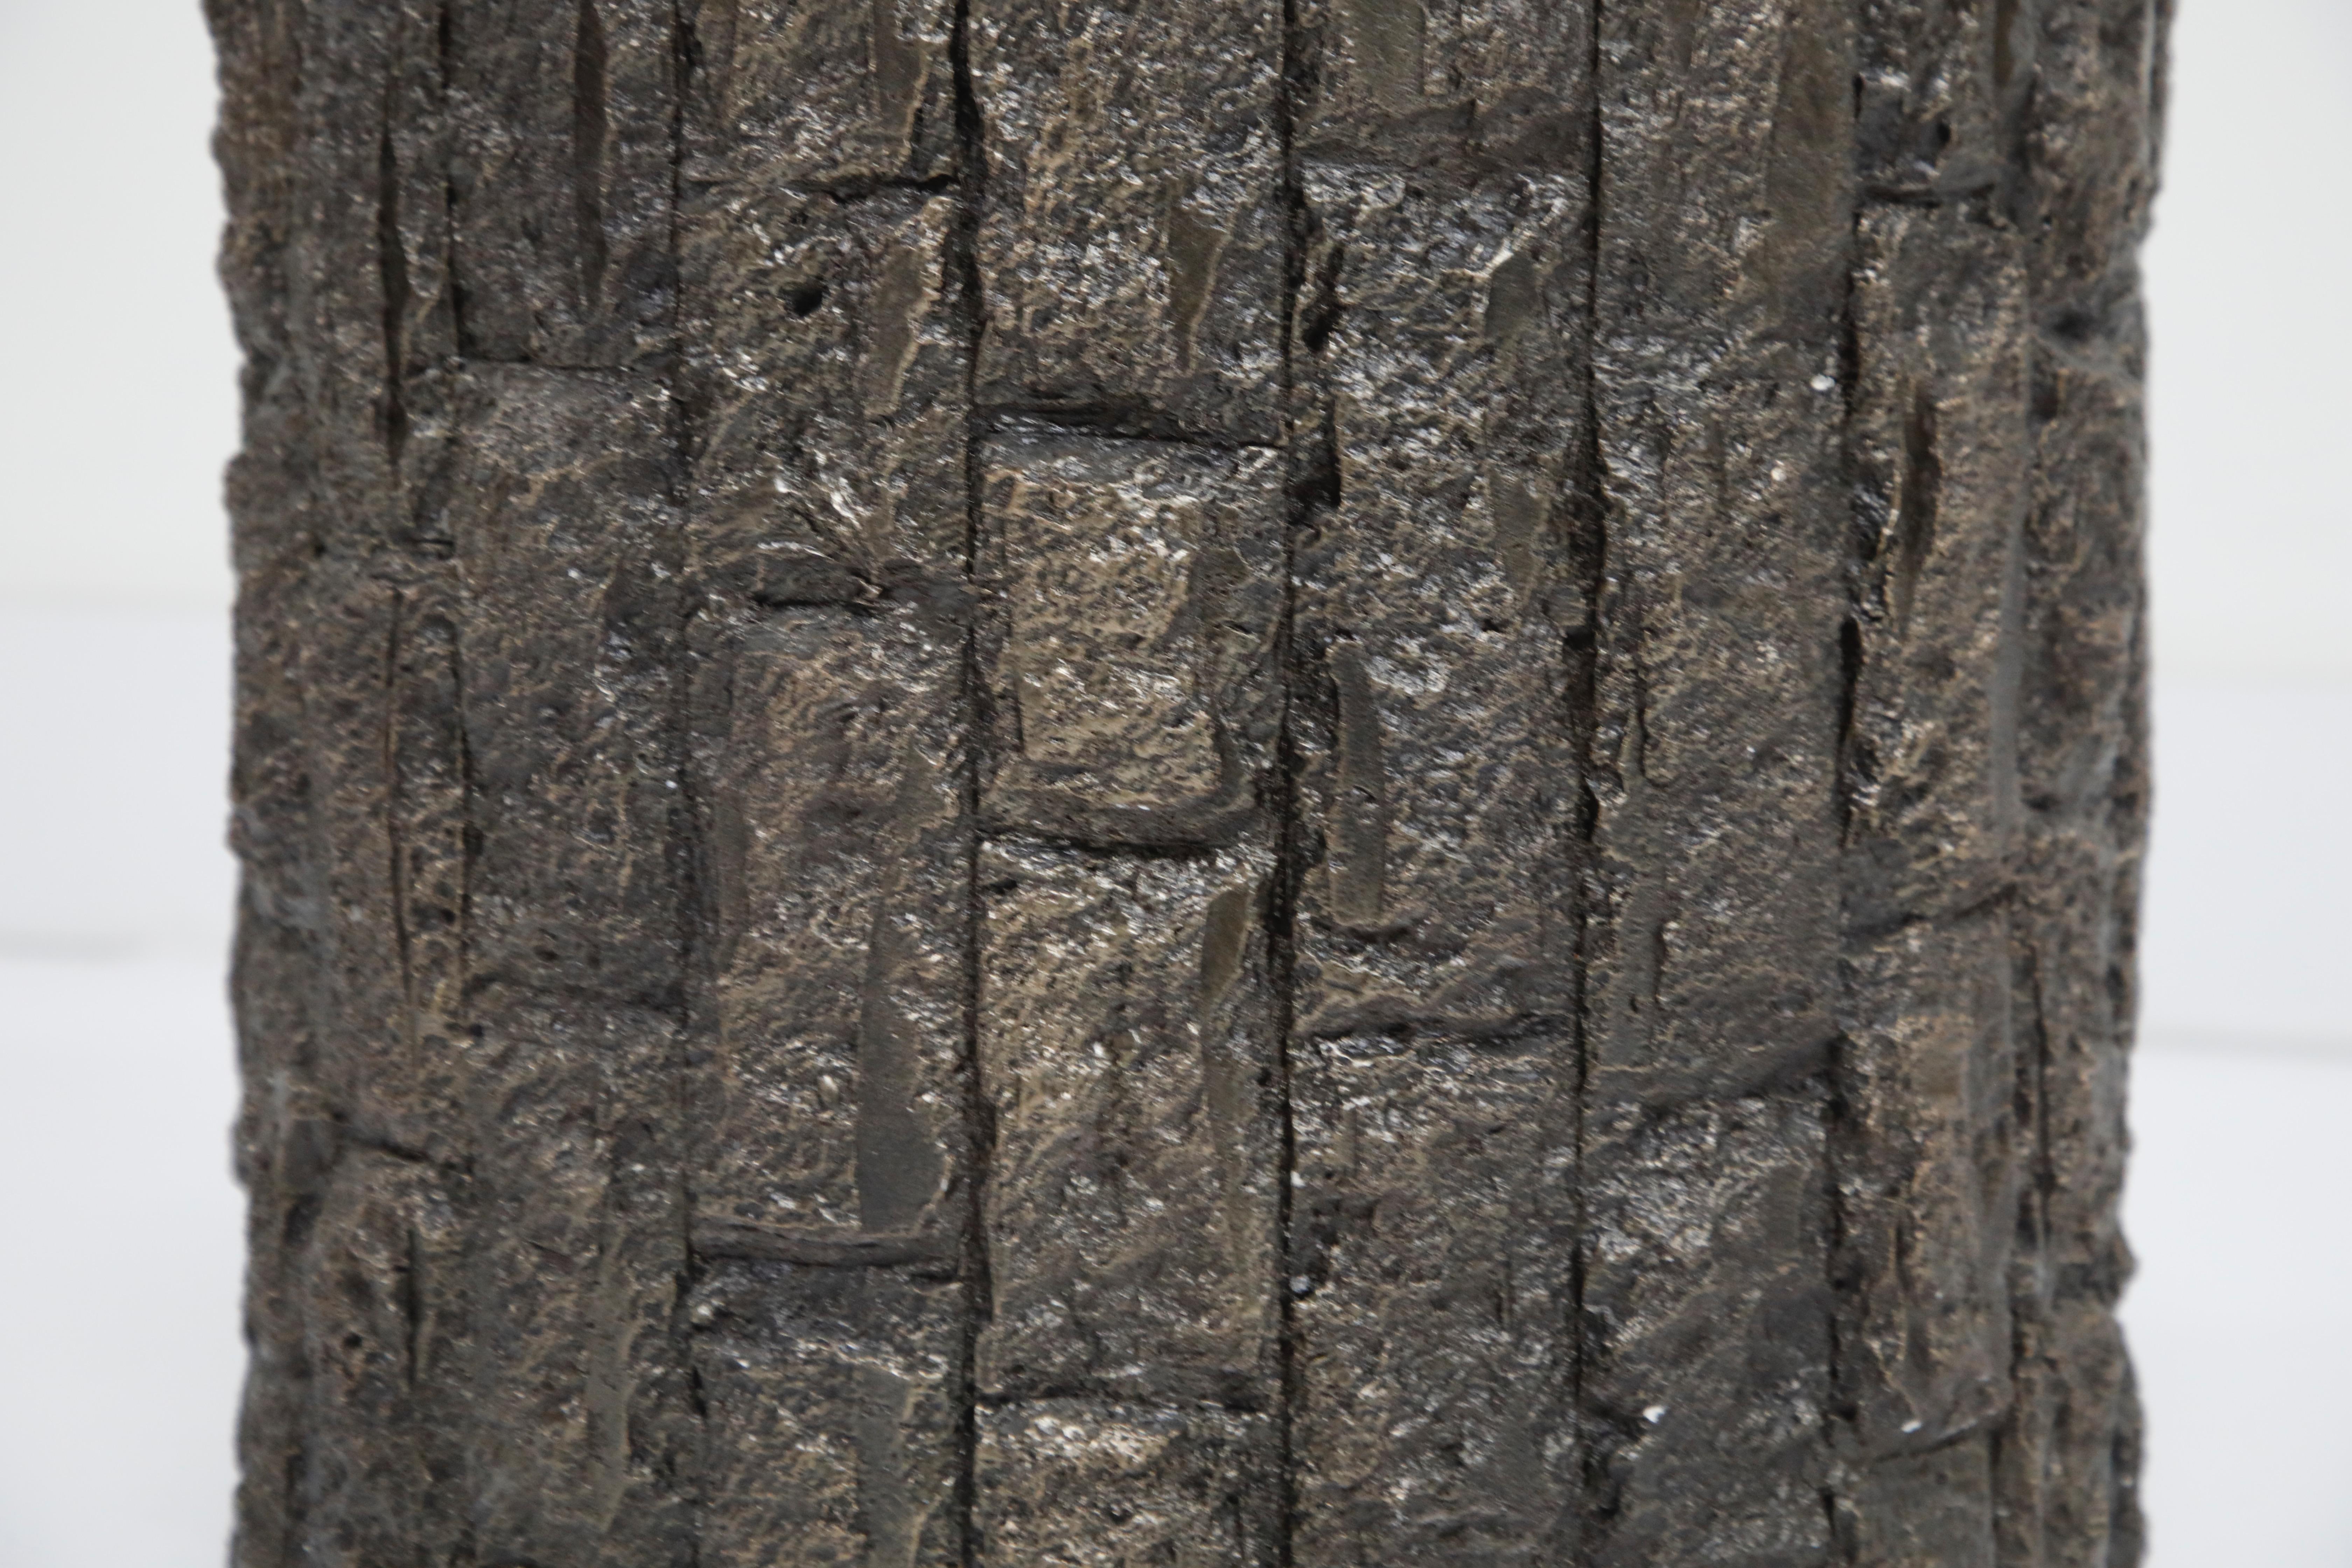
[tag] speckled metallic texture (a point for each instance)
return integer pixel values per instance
(1339, 784)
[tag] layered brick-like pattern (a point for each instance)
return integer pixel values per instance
(1333, 785)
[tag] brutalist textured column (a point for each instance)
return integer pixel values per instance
(1325, 784)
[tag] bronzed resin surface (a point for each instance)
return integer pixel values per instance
(1341, 784)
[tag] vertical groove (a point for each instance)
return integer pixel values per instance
(395, 846)
(588, 135)
(1281, 923)
(972, 174)
(2019, 74)
(392, 264)
(1590, 557)
(686, 813)
(1837, 1075)
(445, 59)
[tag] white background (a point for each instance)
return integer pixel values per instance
(120, 1229)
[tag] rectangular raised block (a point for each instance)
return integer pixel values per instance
(1708, 1341)
(828, 376)
(1434, 600)
(1495, 83)
(1082, 1484)
(1130, 664)
(2081, 687)
(832, 1106)
(833, 1408)
(2065, 1470)
(1937, 100)
(357, 1242)
(382, 695)
(1931, 1166)
(1432, 1261)
(387, 795)
(1929, 1154)
(565, 1400)
(2091, 128)
(360, 319)
(562, 260)
(2066, 1479)
(1131, 239)
(810, 95)
(1928, 1510)
(1944, 453)
(1714, 887)
(565, 537)
(1127, 1060)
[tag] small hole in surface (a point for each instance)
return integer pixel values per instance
(805, 298)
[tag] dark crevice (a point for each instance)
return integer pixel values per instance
(395, 813)
(346, 1133)
(980, 1140)
(2016, 23)
(693, 916)
(1120, 843)
(1914, 513)
(1883, 924)
(392, 267)
(588, 135)
(1521, 1031)
(2004, 50)
(445, 64)
(1841, 1134)
(412, 1306)
(850, 190)
(1588, 556)
(666, 1001)
(1854, 768)
(1841, 1084)
(2045, 1163)
(1282, 896)
(2028, 1275)
(1314, 485)
(1318, 312)
(924, 1253)
(548, 364)
(1981, 1429)
(469, 832)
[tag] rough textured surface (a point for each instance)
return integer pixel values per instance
(1334, 784)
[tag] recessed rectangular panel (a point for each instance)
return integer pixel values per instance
(1127, 1061)
(1498, 84)
(828, 388)
(1131, 656)
(560, 1394)
(1932, 1164)
(832, 1102)
(1087, 1484)
(1132, 232)
(1435, 597)
(560, 147)
(1943, 444)
(815, 95)
(564, 540)
(832, 1416)
(1432, 1265)
(1706, 1301)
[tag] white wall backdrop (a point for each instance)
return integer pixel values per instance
(117, 374)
